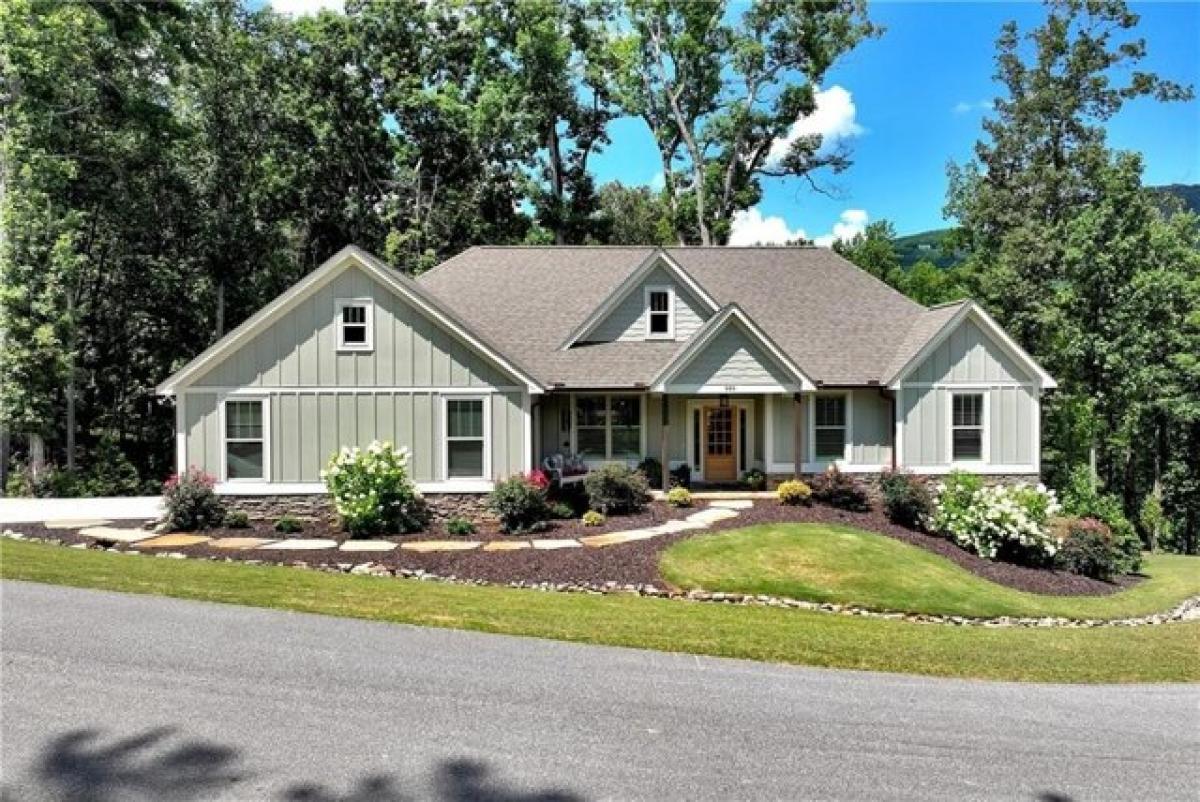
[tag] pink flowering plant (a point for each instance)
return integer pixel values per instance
(372, 491)
(191, 503)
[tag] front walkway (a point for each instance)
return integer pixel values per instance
(35, 510)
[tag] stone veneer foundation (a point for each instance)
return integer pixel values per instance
(318, 505)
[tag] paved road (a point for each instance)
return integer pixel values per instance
(113, 697)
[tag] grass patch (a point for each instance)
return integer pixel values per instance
(829, 563)
(1145, 654)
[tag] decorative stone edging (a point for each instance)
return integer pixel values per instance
(1187, 610)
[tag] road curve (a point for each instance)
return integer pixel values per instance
(117, 697)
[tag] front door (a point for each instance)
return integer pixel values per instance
(720, 448)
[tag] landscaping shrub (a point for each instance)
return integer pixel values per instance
(191, 503)
(681, 476)
(372, 491)
(1005, 523)
(614, 488)
(561, 511)
(459, 526)
(520, 503)
(593, 518)
(794, 492)
(1082, 498)
(754, 479)
(1086, 546)
(109, 473)
(237, 519)
(679, 497)
(652, 470)
(840, 490)
(288, 525)
(906, 499)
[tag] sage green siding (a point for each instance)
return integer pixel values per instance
(870, 428)
(731, 358)
(627, 321)
(203, 440)
(967, 355)
(783, 416)
(300, 348)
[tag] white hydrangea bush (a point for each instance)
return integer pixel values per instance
(372, 491)
(1005, 522)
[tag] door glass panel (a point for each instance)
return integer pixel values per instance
(720, 431)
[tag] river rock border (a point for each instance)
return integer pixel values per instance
(1187, 610)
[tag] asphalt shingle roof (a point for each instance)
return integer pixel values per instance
(839, 324)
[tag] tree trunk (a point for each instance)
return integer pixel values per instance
(37, 456)
(556, 182)
(72, 388)
(220, 328)
(4, 453)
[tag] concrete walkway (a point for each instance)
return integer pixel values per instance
(37, 510)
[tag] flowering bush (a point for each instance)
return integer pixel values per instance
(191, 503)
(520, 503)
(593, 518)
(1000, 523)
(794, 492)
(679, 497)
(372, 491)
(1082, 498)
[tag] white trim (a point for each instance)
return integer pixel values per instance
(821, 467)
(898, 423)
(984, 431)
(486, 414)
(313, 390)
(180, 437)
(967, 385)
(730, 389)
(223, 453)
(643, 411)
(1036, 427)
(649, 290)
(983, 470)
(707, 333)
(318, 488)
(690, 446)
(992, 328)
(627, 286)
(290, 298)
(527, 419)
(810, 454)
(368, 345)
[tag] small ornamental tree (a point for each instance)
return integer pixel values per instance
(372, 491)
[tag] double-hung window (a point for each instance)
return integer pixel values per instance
(829, 427)
(966, 427)
(355, 324)
(465, 434)
(608, 427)
(660, 313)
(245, 452)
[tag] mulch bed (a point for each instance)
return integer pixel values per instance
(628, 563)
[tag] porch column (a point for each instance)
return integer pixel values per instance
(798, 434)
(663, 440)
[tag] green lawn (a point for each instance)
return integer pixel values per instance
(1145, 654)
(848, 566)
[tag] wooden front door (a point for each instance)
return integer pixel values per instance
(720, 445)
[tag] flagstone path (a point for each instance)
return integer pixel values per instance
(717, 510)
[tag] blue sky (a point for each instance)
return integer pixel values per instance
(914, 99)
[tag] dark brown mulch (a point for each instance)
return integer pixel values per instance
(627, 563)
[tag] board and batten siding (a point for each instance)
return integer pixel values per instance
(732, 358)
(969, 361)
(300, 348)
(870, 424)
(627, 321)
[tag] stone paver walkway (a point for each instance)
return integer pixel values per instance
(367, 545)
(236, 543)
(75, 523)
(440, 545)
(171, 541)
(301, 544)
(116, 535)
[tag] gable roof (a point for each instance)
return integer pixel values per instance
(728, 316)
(347, 257)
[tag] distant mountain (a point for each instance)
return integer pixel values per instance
(927, 245)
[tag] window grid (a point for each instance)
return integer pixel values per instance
(659, 314)
(354, 325)
(608, 426)
(966, 427)
(464, 438)
(829, 427)
(245, 452)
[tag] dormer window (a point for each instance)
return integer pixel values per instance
(355, 321)
(660, 313)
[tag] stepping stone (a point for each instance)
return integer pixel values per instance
(172, 541)
(367, 545)
(506, 545)
(732, 504)
(424, 546)
(240, 542)
(711, 516)
(556, 543)
(301, 544)
(613, 538)
(116, 535)
(76, 523)
(671, 527)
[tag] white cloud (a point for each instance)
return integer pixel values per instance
(303, 8)
(834, 119)
(850, 222)
(965, 107)
(749, 227)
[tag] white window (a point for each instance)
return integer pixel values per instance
(966, 427)
(466, 434)
(608, 427)
(355, 324)
(660, 313)
(829, 427)
(245, 440)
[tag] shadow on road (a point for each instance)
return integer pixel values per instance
(160, 764)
